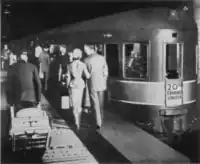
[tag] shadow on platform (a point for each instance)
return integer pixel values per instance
(101, 149)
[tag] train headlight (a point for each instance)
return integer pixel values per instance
(173, 15)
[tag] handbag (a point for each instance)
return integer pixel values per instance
(65, 102)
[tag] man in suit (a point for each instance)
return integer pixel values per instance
(64, 61)
(45, 61)
(24, 82)
(38, 50)
(97, 84)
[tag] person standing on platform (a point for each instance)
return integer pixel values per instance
(24, 83)
(8, 57)
(97, 84)
(76, 70)
(64, 61)
(38, 51)
(45, 61)
(12, 58)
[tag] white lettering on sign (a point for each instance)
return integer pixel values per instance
(173, 93)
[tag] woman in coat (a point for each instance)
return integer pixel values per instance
(76, 84)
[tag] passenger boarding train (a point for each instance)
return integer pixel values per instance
(151, 54)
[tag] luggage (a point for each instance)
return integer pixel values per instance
(29, 128)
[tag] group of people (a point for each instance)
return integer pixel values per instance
(95, 70)
(89, 74)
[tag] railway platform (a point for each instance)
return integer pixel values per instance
(117, 142)
(122, 142)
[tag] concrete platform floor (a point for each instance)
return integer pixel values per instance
(117, 142)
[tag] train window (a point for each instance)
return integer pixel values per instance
(112, 54)
(173, 60)
(135, 60)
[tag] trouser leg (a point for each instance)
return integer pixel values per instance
(101, 103)
(96, 106)
(76, 97)
(46, 77)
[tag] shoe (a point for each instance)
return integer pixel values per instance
(77, 128)
(98, 127)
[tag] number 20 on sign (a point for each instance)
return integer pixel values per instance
(173, 94)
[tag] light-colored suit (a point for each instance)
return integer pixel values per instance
(76, 85)
(45, 61)
(97, 84)
(12, 59)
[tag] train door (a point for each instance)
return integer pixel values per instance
(173, 74)
(111, 52)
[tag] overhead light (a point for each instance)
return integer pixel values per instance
(107, 35)
(7, 11)
(173, 15)
(7, 5)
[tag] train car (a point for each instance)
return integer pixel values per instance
(151, 54)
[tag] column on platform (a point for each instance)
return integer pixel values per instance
(197, 19)
(196, 9)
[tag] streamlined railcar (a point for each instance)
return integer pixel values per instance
(151, 54)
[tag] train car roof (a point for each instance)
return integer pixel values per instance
(134, 19)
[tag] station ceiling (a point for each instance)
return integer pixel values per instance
(46, 15)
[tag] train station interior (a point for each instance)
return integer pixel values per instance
(151, 112)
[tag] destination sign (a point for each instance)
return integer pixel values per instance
(174, 94)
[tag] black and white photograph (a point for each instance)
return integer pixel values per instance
(100, 82)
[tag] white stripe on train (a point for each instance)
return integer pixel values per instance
(145, 103)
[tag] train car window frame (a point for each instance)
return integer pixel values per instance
(180, 58)
(148, 46)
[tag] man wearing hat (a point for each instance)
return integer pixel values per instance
(24, 82)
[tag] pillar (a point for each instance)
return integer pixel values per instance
(196, 9)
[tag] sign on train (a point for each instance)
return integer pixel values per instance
(174, 94)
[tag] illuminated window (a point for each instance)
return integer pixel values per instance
(173, 60)
(135, 61)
